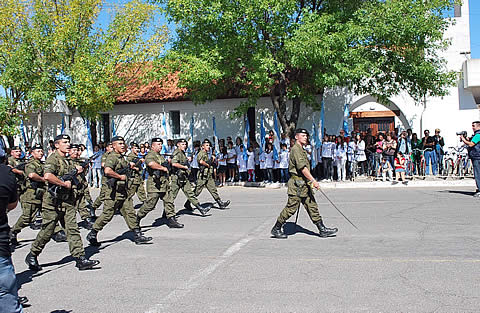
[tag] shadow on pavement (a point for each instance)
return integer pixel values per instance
(290, 228)
(461, 192)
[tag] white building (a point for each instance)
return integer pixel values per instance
(141, 120)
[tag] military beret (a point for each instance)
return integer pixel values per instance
(62, 136)
(301, 131)
(117, 138)
(37, 146)
(206, 141)
(74, 146)
(108, 143)
(157, 140)
(134, 144)
(181, 140)
(15, 148)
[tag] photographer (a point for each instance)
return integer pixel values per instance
(474, 152)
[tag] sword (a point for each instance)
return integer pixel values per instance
(336, 208)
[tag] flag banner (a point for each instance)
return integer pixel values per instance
(190, 140)
(313, 145)
(263, 134)
(322, 121)
(246, 138)
(89, 143)
(276, 140)
(62, 129)
(164, 133)
(346, 115)
(114, 131)
(215, 137)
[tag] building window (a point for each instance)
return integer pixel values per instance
(175, 123)
(457, 10)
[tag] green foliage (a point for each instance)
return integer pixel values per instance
(9, 121)
(292, 49)
(54, 50)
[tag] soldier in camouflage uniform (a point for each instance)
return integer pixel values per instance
(116, 195)
(81, 189)
(18, 165)
(35, 188)
(158, 185)
(136, 179)
(300, 189)
(179, 177)
(59, 209)
(205, 176)
(98, 202)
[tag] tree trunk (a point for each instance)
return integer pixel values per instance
(40, 127)
(11, 141)
(93, 132)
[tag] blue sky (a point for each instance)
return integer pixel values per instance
(474, 22)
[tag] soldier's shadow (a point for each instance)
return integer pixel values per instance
(290, 229)
(190, 212)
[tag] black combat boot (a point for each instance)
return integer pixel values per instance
(92, 238)
(32, 262)
(203, 209)
(277, 231)
(323, 231)
(188, 206)
(13, 239)
(140, 238)
(173, 223)
(84, 264)
(223, 205)
(60, 236)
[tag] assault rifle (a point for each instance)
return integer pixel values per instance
(127, 171)
(62, 193)
(202, 167)
(159, 173)
(180, 172)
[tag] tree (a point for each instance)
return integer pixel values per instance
(67, 56)
(296, 49)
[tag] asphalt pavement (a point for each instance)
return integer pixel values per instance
(415, 250)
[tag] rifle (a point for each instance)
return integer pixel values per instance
(158, 173)
(202, 168)
(180, 172)
(62, 193)
(128, 171)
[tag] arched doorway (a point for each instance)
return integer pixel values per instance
(380, 118)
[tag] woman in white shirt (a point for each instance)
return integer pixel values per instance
(231, 161)
(341, 158)
(361, 156)
(351, 149)
(242, 165)
(251, 164)
(263, 165)
(269, 162)
(283, 164)
(222, 166)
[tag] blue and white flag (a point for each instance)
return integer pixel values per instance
(215, 137)
(62, 129)
(22, 129)
(322, 121)
(89, 143)
(190, 140)
(263, 134)
(114, 131)
(246, 139)
(313, 144)
(276, 140)
(346, 115)
(164, 133)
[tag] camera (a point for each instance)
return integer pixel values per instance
(462, 133)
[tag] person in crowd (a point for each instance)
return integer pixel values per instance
(194, 164)
(327, 159)
(271, 137)
(416, 153)
(269, 162)
(256, 151)
(283, 163)
(341, 158)
(222, 165)
(251, 164)
(389, 149)
(97, 168)
(473, 146)
(285, 140)
(238, 144)
(400, 167)
(242, 165)
(370, 150)
(231, 161)
(360, 155)
(276, 168)
(379, 153)
(263, 165)
(440, 143)
(429, 143)
(351, 150)
(386, 170)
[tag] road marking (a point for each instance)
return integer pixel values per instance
(392, 260)
(199, 277)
